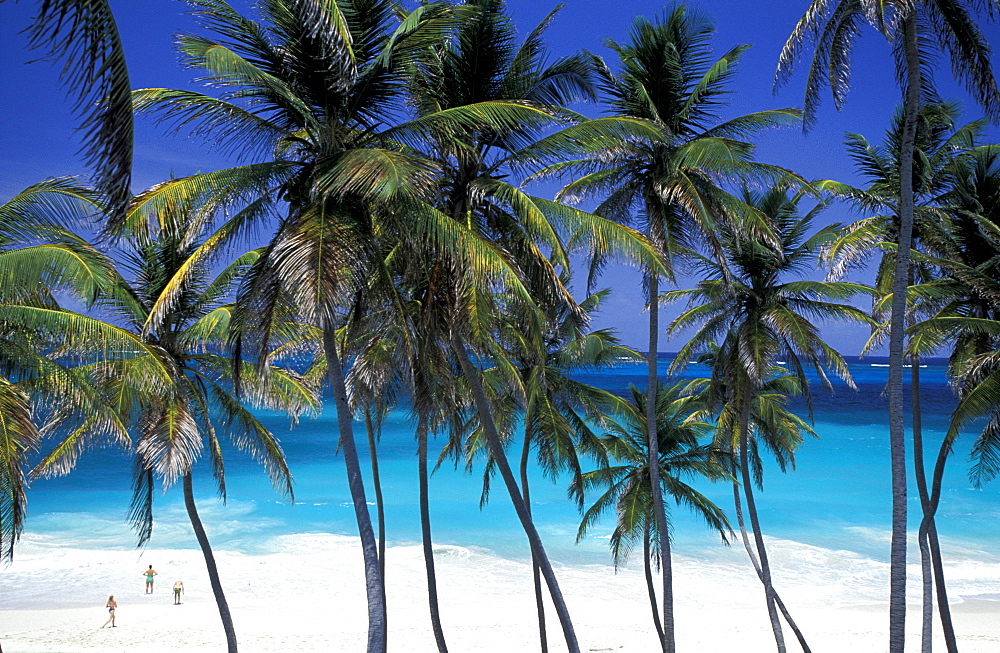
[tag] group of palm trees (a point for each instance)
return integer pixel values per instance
(397, 259)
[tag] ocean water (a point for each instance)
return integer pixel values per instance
(827, 521)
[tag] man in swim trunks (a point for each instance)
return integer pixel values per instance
(149, 573)
(178, 590)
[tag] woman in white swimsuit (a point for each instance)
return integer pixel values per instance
(111, 605)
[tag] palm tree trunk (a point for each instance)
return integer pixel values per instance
(425, 532)
(377, 636)
(756, 565)
(213, 569)
(927, 525)
(535, 573)
(765, 567)
(377, 485)
(647, 566)
(659, 512)
(927, 583)
(897, 324)
(500, 458)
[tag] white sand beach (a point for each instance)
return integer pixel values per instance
(309, 597)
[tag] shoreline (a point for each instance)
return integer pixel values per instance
(308, 595)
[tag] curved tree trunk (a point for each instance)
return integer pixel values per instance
(536, 577)
(897, 324)
(756, 565)
(647, 567)
(377, 485)
(500, 458)
(765, 567)
(213, 569)
(927, 525)
(425, 533)
(926, 579)
(373, 575)
(659, 512)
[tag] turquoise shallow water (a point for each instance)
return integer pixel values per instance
(836, 499)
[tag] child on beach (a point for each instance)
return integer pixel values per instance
(111, 605)
(149, 573)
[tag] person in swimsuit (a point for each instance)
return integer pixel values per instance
(178, 590)
(111, 605)
(149, 573)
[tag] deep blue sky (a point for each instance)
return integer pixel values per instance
(38, 139)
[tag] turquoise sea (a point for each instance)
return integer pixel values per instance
(833, 506)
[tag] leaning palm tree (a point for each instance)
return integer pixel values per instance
(484, 66)
(968, 301)
(685, 452)
(559, 416)
(757, 317)
(915, 29)
(662, 156)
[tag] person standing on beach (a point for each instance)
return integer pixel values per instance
(111, 605)
(178, 590)
(149, 573)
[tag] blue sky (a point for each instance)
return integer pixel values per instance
(38, 137)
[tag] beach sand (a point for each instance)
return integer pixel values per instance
(310, 597)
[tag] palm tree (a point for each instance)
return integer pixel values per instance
(758, 318)
(558, 413)
(173, 386)
(310, 92)
(661, 156)
(914, 29)
(41, 390)
(966, 245)
(624, 482)
(940, 145)
(484, 66)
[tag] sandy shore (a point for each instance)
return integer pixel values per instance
(309, 597)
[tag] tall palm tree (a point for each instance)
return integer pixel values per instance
(558, 414)
(758, 317)
(175, 390)
(310, 93)
(940, 146)
(915, 30)
(625, 481)
(662, 156)
(484, 65)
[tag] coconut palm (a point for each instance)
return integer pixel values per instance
(310, 93)
(483, 65)
(624, 482)
(757, 317)
(915, 30)
(173, 386)
(940, 144)
(662, 156)
(558, 415)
